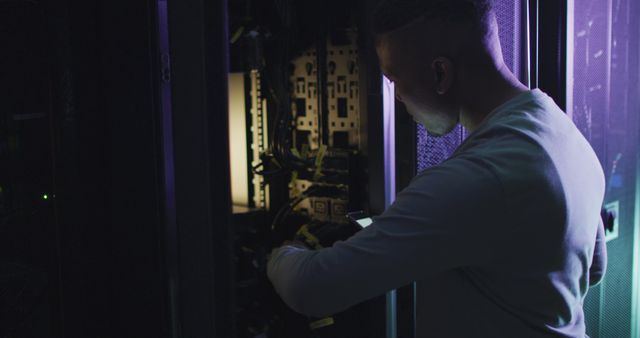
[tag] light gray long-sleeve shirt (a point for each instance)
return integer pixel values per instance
(500, 237)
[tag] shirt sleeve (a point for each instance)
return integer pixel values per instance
(448, 217)
(599, 263)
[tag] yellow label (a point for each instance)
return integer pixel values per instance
(321, 323)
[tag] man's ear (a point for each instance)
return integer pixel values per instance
(443, 69)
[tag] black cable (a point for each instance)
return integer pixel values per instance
(284, 211)
(277, 77)
(268, 173)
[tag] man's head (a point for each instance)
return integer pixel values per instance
(433, 50)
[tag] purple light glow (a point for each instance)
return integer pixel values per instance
(388, 115)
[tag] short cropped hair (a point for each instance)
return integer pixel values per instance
(391, 15)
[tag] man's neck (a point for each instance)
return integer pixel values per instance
(487, 96)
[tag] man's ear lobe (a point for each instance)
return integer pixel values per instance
(443, 71)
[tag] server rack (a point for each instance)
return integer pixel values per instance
(601, 87)
(308, 129)
(587, 60)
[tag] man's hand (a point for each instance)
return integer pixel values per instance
(318, 235)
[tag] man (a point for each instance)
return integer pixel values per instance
(501, 237)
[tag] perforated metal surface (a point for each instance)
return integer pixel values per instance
(510, 30)
(305, 97)
(432, 150)
(343, 92)
(604, 105)
(339, 60)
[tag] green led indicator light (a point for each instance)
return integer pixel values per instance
(45, 197)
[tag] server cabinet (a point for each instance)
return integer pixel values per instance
(602, 76)
(307, 146)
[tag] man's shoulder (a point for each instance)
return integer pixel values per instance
(504, 150)
(522, 138)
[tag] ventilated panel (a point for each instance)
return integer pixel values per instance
(603, 102)
(433, 150)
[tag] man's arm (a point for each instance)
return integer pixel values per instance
(599, 263)
(446, 218)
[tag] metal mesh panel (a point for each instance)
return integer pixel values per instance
(605, 108)
(432, 150)
(508, 14)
